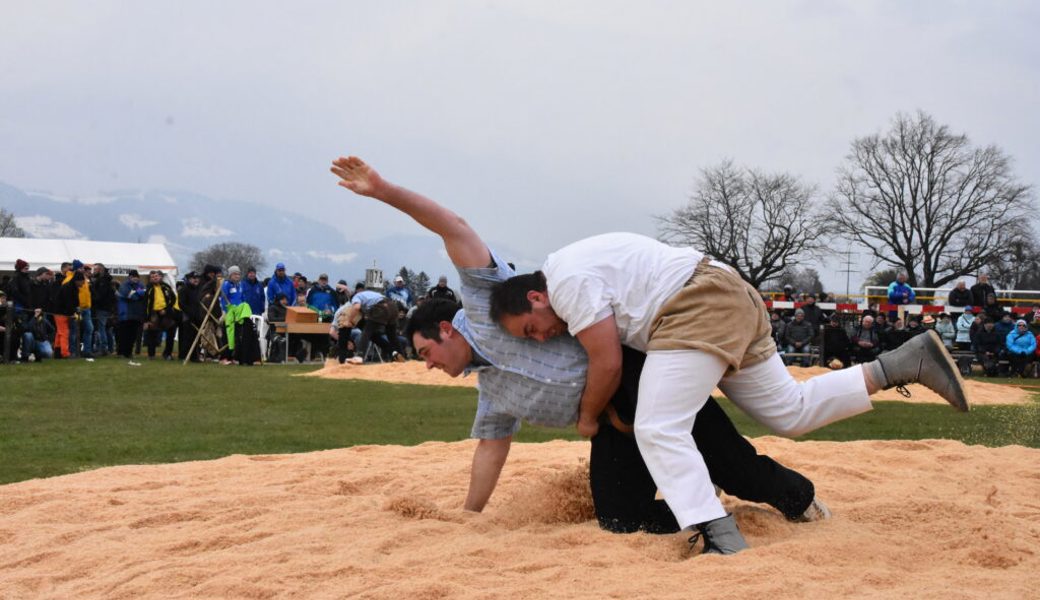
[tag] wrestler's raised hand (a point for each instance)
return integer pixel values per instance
(357, 176)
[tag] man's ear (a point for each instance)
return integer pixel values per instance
(446, 329)
(541, 298)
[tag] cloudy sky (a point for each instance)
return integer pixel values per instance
(541, 122)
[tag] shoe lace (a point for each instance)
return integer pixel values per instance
(697, 535)
(900, 387)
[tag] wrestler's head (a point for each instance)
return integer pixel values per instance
(521, 306)
(434, 338)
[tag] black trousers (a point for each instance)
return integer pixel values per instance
(154, 337)
(372, 332)
(185, 338)
(344, 345)
(623, 490)
(127, 334)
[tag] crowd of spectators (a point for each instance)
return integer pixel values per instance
(82, 312)
(982, 331)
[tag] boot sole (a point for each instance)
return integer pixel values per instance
(938, 350)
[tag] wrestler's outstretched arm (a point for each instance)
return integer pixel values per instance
(466, 250)
(464, 246)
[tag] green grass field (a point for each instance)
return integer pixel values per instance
(67, 416)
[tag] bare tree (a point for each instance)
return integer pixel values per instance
(883, 277)
(226, 254)
(8, 227)
(922, 199)
(760, 224)
(1017, 266)
(804, 281)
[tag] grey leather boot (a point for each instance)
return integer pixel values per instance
(923, 359)
(721, 536)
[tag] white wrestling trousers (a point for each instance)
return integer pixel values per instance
(674, 386)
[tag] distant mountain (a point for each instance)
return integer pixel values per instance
(186, 223)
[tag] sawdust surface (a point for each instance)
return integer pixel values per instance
(912, 519)
(981, 393)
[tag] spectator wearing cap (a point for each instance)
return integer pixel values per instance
(162, 315)
(441, 290)
(1021, 346)
(964, 323)
(253, 292)
(67, 311)
(322, 297)
(19, 289)
(280, 283)
(235, 308)
(189, 297)
(798, 336)
(130, 310)
(72, 332)
(836, 343)
(342, 292)
(812, 312)
(399, 292)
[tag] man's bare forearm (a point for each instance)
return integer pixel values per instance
(425, 211)
(464, 246)
(488, 459)
(600, 384)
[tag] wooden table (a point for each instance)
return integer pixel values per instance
(299, 328)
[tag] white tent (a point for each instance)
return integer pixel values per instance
(119, 257)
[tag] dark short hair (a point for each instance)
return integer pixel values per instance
(510, 296)
(427, 318)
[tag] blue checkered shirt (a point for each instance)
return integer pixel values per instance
(519, 379)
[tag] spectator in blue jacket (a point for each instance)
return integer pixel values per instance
(323, 298)
(253, 292)
(1021, 345)
(899, 292)
(235, 307)
(130, 310)
(399, 292)
(280, 284)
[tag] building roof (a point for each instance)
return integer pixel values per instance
(119, 257)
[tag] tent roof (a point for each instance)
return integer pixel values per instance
(119, 257)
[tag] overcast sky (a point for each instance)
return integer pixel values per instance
(540, 122)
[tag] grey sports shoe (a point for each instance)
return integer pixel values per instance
(923, 359)
(721, 536)
(817, 511)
